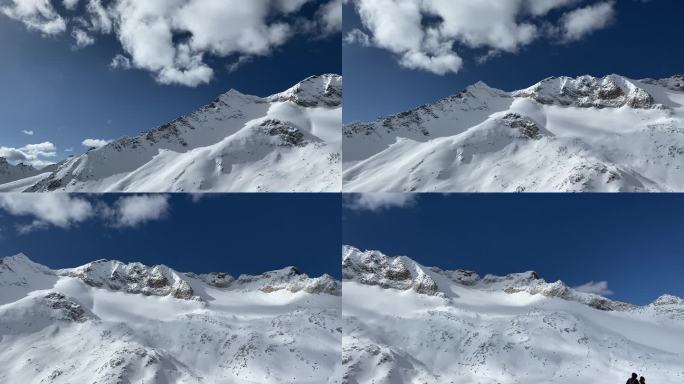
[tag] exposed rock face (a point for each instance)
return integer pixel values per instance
(374, 268)
(133, 278)
(68, 309)
(287, 134)
(290, 279)
(587, 92)
(527, 127)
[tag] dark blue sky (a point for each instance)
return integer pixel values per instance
(66, 95)
(644, 41)
(633, 241)
(236, 233)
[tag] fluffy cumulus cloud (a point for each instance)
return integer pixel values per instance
(173, 38)
(94, 143)
(58, 209)
(426, 34)
(379, 201)
(132, 211)
(596, 287)
(45, 210)
(38, 155)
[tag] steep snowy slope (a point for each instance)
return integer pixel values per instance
(406, 323)
(586, 134)
(290, 141)
(109, 322)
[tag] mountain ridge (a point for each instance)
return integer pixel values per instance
(285, 142)
(561, 134)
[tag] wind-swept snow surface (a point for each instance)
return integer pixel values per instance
(610, 134)
(406, 323)
(109, 322)
(288, 142)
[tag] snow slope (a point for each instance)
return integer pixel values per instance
(288, 142)
(406, 323)
(109, 322)
(610, 134)
(13, 172)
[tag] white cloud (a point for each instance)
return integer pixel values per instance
(39, 15)
(65, 211)
(357, 36)
(70, 4)
(173, 38)
(94, 143)
(25, 132)
(330, 16)
(120, 62)
(596, 287)
(581, 22)
(131, 211)
(425, 34)
(58, 209)
(379, 201)
(37, 155)
(82, 38)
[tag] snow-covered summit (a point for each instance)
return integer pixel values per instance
(402, 273)
(600, 134)
(287, 142)
(314, 91)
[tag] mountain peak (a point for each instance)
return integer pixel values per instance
(314, 91)
(668, 300)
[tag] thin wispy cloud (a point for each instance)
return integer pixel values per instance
(595, 287)
(379, 201)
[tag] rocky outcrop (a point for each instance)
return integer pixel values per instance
(588, 92)
(374, 268)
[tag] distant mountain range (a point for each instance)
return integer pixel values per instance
(584, 134)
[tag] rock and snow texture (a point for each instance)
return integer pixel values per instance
(288, 142)
(110, 322)
(610, 134)
(13, 172)
(512, 329)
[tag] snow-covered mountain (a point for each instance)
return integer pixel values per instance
(110, 322)
(407, 323)
(287, 142)
(12, 172)
(562, 134)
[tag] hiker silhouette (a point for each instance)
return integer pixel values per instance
(642, 380)
(633, 379)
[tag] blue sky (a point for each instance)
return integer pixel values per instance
(64, 94)
(236, 233)
(640, 39)
(634, 242)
